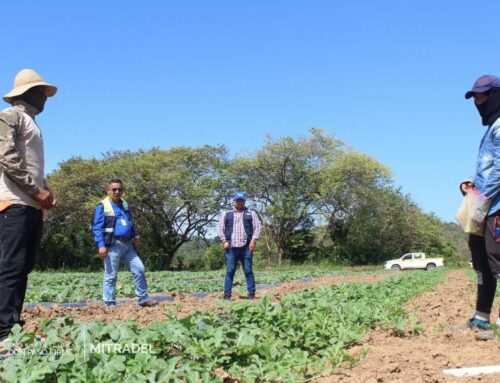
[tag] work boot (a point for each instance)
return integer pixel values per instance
(227, 297)
(485, 335)
(479, 324)
(149, 303)
(251, 296)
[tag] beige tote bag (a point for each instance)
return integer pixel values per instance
(472, 213)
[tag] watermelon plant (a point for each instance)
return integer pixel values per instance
(303, 334)
(74, 287)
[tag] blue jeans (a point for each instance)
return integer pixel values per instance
(123, 252)
(233, 255)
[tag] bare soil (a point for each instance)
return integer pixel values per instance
(446, 342)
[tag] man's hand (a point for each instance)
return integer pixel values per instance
(103, 252)
(45, 198)
(251, 246)
(226, 245)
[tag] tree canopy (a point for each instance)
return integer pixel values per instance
(317, 198)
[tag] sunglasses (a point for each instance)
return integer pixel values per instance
(117, 190)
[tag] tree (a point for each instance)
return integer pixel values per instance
(455, 234)
(175, 194)
(282, 179)
(347, 185)
(390, 224)
(179, 194)
(67, 241)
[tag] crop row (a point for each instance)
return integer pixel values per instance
(291, 340)
(74, 287)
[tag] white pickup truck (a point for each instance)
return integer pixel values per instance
(414, 261)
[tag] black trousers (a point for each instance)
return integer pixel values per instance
(486, 261)
(20, 235)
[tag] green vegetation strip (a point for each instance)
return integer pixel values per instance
(300, 336)
(75, 287)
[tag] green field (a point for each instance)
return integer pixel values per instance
(74, 287)
(301, 336)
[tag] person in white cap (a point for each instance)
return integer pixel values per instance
(23, 193)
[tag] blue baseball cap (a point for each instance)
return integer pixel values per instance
(239, 195)
(483, 84)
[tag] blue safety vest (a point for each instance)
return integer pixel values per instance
(110, 219)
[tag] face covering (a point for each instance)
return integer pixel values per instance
(490, 109)
(35, 97)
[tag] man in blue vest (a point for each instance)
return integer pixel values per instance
(238, 230)
(116, 238)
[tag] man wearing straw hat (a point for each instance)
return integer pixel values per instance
(23, 193)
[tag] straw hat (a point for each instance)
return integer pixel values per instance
(25, 80)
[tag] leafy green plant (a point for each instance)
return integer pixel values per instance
(74, 287)
(302, 335)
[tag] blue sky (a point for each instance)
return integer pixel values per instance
(386, 77)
